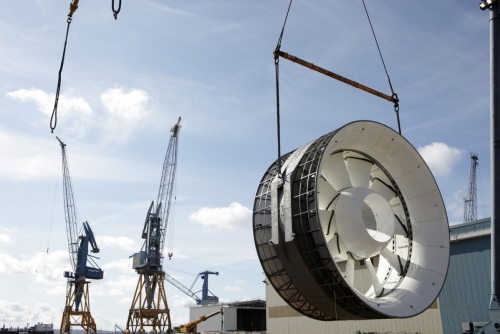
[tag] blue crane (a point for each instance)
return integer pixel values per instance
(77, 309)
(205, 297)
(151, 310)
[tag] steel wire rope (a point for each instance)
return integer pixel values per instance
(53, 118)
(171, 224)
(170, 227)
(277, 71)
(394, 95)
(116, 11)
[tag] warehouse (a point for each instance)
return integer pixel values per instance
(244, 316)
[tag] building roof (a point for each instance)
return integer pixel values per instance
(475, 229)
(250, 303)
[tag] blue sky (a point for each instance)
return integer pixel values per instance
(126, 82)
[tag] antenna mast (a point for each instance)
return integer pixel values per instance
(470, 202)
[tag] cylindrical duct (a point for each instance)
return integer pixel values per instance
(355, 228)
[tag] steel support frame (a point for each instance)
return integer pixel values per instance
(81, 318)
(158, 316)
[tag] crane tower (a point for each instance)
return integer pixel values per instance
(470, 202)
(149, 306)
(77, 308)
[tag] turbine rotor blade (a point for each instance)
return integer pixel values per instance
(326, 193)
(359, 171)
(335, 172)
(383, 189)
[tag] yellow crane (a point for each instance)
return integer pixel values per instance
(191, 327)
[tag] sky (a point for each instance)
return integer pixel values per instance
(125, 82)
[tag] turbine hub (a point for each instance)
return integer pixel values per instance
(365, 221)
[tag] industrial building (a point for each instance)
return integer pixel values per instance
(463, 299)
(245, 316)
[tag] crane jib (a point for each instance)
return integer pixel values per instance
(78, 246)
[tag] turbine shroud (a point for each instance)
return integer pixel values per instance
(355, 228)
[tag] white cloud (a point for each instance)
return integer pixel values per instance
(26, 157)
(4, 238)
(184, 301)
(233, 288)
(125, 301)
(116, 292)
(124, 283)
(58, 290)
(440, 157)
(9, 229)
(47, 268)
(178, 320)
(74, 111)
(29, 157)
(18, 314)
(455, 208)
(124, 265)
(126, 111)
(117, 242)
(235, 215)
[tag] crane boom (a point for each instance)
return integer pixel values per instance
(69, 210)
(205, 298)
(190, 327)
(165, 191)
(183, 288)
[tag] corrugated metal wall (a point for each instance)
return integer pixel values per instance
(466, 294)
(282, 319)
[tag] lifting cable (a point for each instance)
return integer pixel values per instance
(73, 6)
(53, 119)
(394, 95)
(277, 69)
(116, 11)
(278, 53)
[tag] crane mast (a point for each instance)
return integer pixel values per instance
(470, 202)
(77, 308)
(151, 309)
